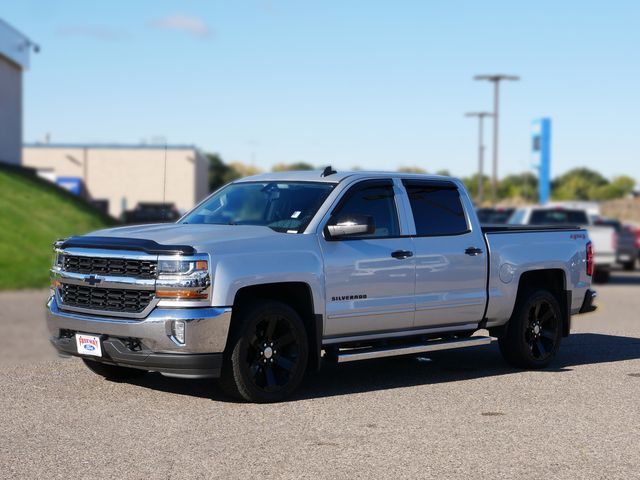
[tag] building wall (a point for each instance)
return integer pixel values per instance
(10, 111)
(127, 175)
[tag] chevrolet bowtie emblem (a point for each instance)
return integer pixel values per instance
(92, 280)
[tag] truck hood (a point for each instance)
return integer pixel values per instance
(200, 237)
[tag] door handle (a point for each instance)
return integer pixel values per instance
(473, 251)
(401, 254)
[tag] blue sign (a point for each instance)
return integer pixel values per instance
(73, 184)
(541, 151)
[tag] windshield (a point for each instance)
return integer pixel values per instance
(281, 206)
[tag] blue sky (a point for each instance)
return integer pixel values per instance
(377, 84)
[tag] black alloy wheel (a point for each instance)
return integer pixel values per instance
(542, 330)
(273, 354)
(267, 354)
(532, 336)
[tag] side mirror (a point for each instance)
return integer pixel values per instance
(348, 225)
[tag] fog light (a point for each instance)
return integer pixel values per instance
(178, 331)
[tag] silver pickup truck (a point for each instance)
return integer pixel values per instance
(275, 274)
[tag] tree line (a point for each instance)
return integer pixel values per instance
(576, 184)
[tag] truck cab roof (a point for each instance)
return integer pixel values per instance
(337, 177)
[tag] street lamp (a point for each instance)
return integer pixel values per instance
(496, 79)
(481, 116)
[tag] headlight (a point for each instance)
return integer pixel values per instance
(183, 279)
(181, 267)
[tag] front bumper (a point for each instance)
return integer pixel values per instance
(149, 343)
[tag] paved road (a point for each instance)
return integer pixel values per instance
(463, 414)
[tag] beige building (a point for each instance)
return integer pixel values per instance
(14, 59)
(124, 175)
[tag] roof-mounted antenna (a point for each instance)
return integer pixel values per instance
(164, 184)
(328, 171)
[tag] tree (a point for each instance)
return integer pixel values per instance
(523, 186)
(577, 184)
(471, 184)
(284, 167)
(219, 172)
(239, 170)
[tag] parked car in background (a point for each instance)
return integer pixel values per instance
(604, 237)
(147, 212)
(627, 242)
(495, 216)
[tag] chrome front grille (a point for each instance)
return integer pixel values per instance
(106, 299)
(120, 267)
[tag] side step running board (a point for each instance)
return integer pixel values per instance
(365, 354)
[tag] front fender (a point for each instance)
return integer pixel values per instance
(233, 272)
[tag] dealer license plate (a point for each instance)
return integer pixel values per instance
(88, 345)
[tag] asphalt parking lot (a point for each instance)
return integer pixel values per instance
(459, 414)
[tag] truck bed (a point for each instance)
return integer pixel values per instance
(526, 228)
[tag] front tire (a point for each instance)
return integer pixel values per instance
(629, 266)
(532, 337)
(267, 354)
(113, 372)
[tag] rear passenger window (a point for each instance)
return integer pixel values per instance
(437, 209)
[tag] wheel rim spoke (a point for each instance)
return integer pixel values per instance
(547, 316)
(542, 350)
(548, 334)
(270, 377)
(254, 369)
(536, 309)
(272, 322)
(255, 342)
(285, 340)
(285, 363)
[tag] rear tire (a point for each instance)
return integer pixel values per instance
(267, 354)
(113, 372)
(629, 266)
(532, 337)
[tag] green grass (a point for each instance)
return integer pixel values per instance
(33, 214)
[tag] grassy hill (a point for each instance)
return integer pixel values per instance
(33, 214)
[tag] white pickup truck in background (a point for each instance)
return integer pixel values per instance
(603, 237)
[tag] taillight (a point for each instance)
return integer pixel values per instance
(614, 241)
(589, 259)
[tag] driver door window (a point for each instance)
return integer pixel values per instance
(376, 201)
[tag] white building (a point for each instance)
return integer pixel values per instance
(124, 175)
(14, 59)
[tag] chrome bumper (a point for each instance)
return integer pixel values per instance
(206, 329)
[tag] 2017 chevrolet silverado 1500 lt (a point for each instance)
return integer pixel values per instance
(273, 274)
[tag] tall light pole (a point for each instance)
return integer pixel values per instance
(496, 79)
(481, 116)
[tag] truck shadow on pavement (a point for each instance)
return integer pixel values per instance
(439, 367)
